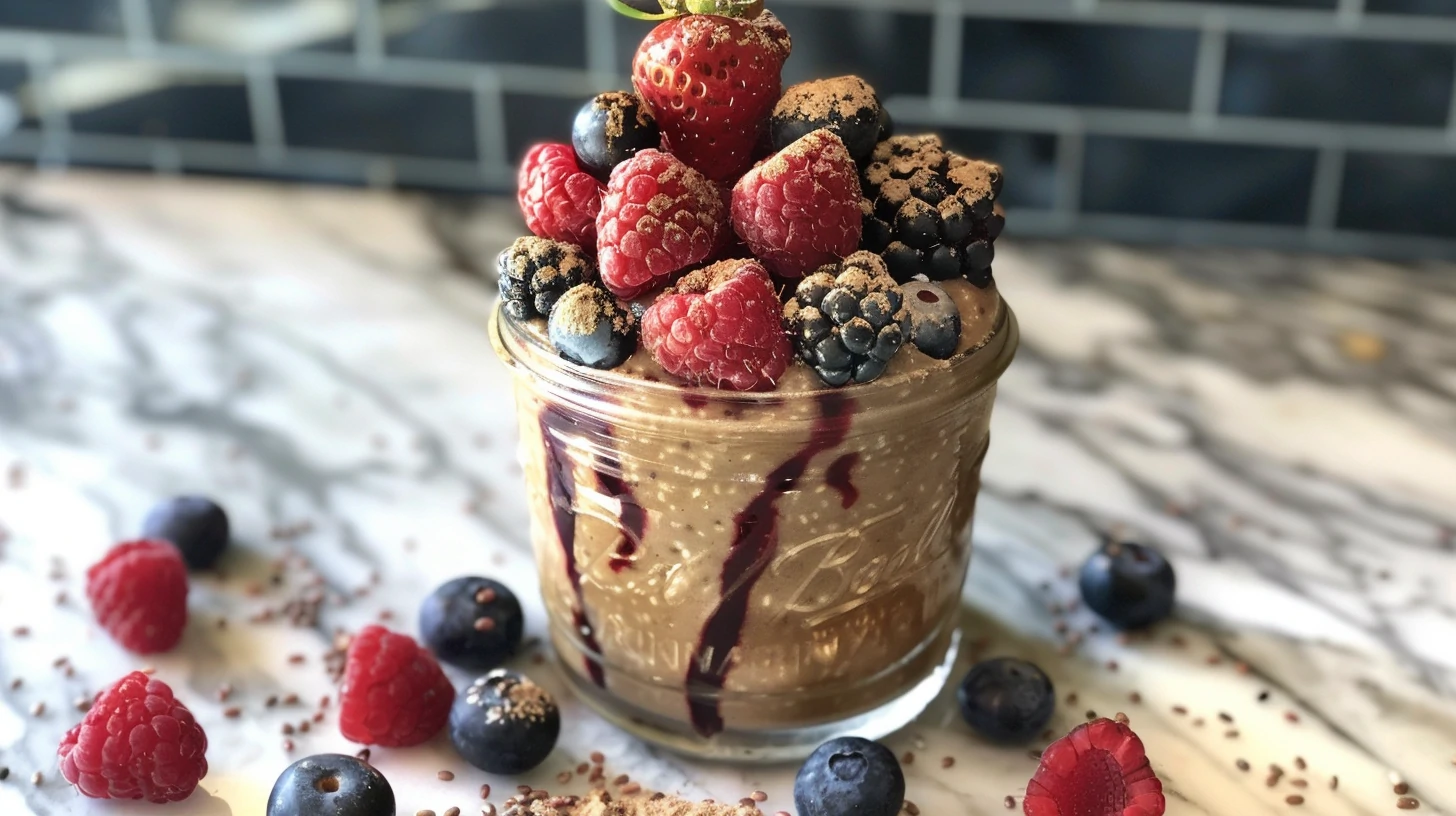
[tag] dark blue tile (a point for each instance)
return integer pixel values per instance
(891, 50)
(543, 32)
(1338, 80)
(1399, 193)
(88, 16)
(531, 119)
(191, 109)
(1178, 179)
(1029, 159)
(378, 118)
(1114, 66)
(12, 75)
(1441, 8)
(1303, 4)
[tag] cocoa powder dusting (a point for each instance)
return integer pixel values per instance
(601, 803)
(845, 96)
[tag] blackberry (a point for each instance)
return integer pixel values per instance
(536, 272)
(848, 320)
(928, 211)
(610, 129)
(847, 106)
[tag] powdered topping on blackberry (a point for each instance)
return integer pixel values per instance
(847, 321)
(931, 212)
(846, 105)
(536, 272)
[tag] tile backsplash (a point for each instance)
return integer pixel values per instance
(1323, 124)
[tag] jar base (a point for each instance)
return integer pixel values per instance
(761, 746)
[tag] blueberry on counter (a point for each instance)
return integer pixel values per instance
(504, 723)
(589, 327)
(473, 623)
(331, 784)
(935, 320)
(195, 525)
(1006, 700)
(850, 776)
(1129, 584)
(610, 129)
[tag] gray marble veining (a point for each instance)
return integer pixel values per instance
(1284, 427)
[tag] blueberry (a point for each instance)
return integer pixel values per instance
(504, 723)
(610, 129)
(331, 784)
(850, 776)
(935, 320)
(847, 106)
(195, 525)
(1129, 584)
(589, 327)
(473, 623)
(1006, 700)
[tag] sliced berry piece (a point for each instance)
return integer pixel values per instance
(138, 592)
(1006, 700)
(658, 218)
(846, 106)
(536, 272)
(1100, 769)
(935, 320)
(331, 784)
(137, 741)
(931, 212)
(195, 525)
(1131, 585)
(504, 723)
(610, 129)
(558, 199)
(848, 320)
(591, 328)
(394, 693)
(719, 326)
(800, 209)
(850, 776)
(711, 83)
(474, 623)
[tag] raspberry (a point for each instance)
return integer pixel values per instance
(720, 326)
(1098, 768)
(394, 693)
(559, 200)
(659, 217)
(136, 742)
(800, 209)
(138, 591)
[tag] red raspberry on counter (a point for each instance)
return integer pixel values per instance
(711, 82)
(136, 742)
(1100, 767)
(720, 326)
(394, 693)
(659, 217)
(559, 200)
(138, 591)
(800, 209)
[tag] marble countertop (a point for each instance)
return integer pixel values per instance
(1284, 427)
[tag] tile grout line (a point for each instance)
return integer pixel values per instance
(1208, 71)
(491, 139)
(1451, 114)
(1349, 13)
(947, 50)
(136, 21)
(265, 111)
(1071, 158)
(368, 34)
(55, 123)
(1325, 189)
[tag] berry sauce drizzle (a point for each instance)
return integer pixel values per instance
(557, 426)
(754, 545)
(841, 477)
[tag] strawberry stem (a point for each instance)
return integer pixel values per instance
(638, 14)
(747, 9)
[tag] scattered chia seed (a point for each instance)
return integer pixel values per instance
(1072, 698)
(1225, 716)
(908, 758)
(271, 701)
(445, 776)
(1122, 718)
(1242, 764)
(17, 683)
(1264, 696)
(38, 709)
(287, 745)
(21, 631)
(37, 778)
(1291, 717)
(454, 811)
(597, 758)
(1294, 799)
(1009, 802)
(563, 777)
(758, 796)
(1091, 715)
(1408, 803)
(1197, 722)
(947, 762)
(621, 779)
(1232, 733)
(287, 729)
(631, 788)
(232, 712)
(424, 813)
(1112, 665)
(1135, 698)
(362, 755)
(1334, 783)
(1300, 764)
(1299, 783)
(4, 773)
(224, 691)
(290, 699)
(304, 726)
(487, 810)
(1180, 710)
(912, 808)
(83, 704)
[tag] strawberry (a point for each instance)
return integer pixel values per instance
(800, 209)
(711, 82)
(1100, 769)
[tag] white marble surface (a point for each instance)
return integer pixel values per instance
(317, 360)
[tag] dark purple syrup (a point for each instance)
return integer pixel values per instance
(841, 478)
(754, 544)
(558, 424)
(694, 400)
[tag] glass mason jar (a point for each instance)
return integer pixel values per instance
(742, 576)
